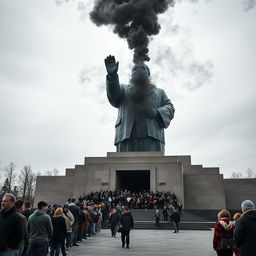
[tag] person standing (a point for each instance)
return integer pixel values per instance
(171, 214)
(28, 211)
(59, 233)
(69, 220)
(75, 210)
(176, 218)
(223, 242)
(157, 219)
(245, 229)
(11, 232)
(86, 222)
(127, 224)
(114, 219)
(235, 219)
(40, 231)
(19, 204)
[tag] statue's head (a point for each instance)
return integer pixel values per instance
(140, 83)
(140, 69)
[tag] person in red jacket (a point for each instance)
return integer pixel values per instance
(223, 234)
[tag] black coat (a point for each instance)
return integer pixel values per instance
(75, 210)
(126, 221)
(59, 229)
(245, 233)
(27, 213)
(11, 231)
(114, 219)
(175, 217)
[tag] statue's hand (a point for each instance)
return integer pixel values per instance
(152, 113)
(111, 65)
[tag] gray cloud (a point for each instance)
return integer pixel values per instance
(46, 122)
(249, 4)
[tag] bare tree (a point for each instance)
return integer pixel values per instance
(10, 175)
(48, 173)
(236, 175)
(27, 183)
(5, 187)
(55, 172)
(250, 173)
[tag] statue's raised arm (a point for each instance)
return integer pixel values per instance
(114, 91)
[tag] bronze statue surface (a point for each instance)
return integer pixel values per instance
(144, 110)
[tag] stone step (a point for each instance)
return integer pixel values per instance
(142, 215)
(167, 225)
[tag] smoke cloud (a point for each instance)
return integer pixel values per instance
(134, 20)
(249, 4)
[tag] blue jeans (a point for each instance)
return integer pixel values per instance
(37, 248)
(113, 230)
(69, 239)
(173, 224)
(20, 251)
(75, 228)
(10, 253)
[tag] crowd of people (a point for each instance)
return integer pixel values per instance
(133, 200)
(54, 229)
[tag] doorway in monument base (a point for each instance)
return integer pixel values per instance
(135, 181)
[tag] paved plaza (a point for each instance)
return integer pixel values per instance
(148, 242)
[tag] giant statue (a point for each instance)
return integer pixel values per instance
(144, 110)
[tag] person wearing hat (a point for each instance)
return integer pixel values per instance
(245, 229)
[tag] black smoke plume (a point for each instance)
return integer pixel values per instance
(135, 20)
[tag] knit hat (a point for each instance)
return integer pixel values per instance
(247, 205)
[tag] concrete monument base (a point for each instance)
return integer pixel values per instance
(195, 186)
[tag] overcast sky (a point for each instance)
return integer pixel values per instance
(53, 106)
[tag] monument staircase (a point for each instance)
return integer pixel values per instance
(189, 220)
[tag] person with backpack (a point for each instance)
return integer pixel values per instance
(223, 242)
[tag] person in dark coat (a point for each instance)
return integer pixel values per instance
(22, 248)
(127, 223)
(59, 233)
(75, 210)
(114, 219)
(11, 231)
(28, 211)
(245, 229)
(176, 218)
